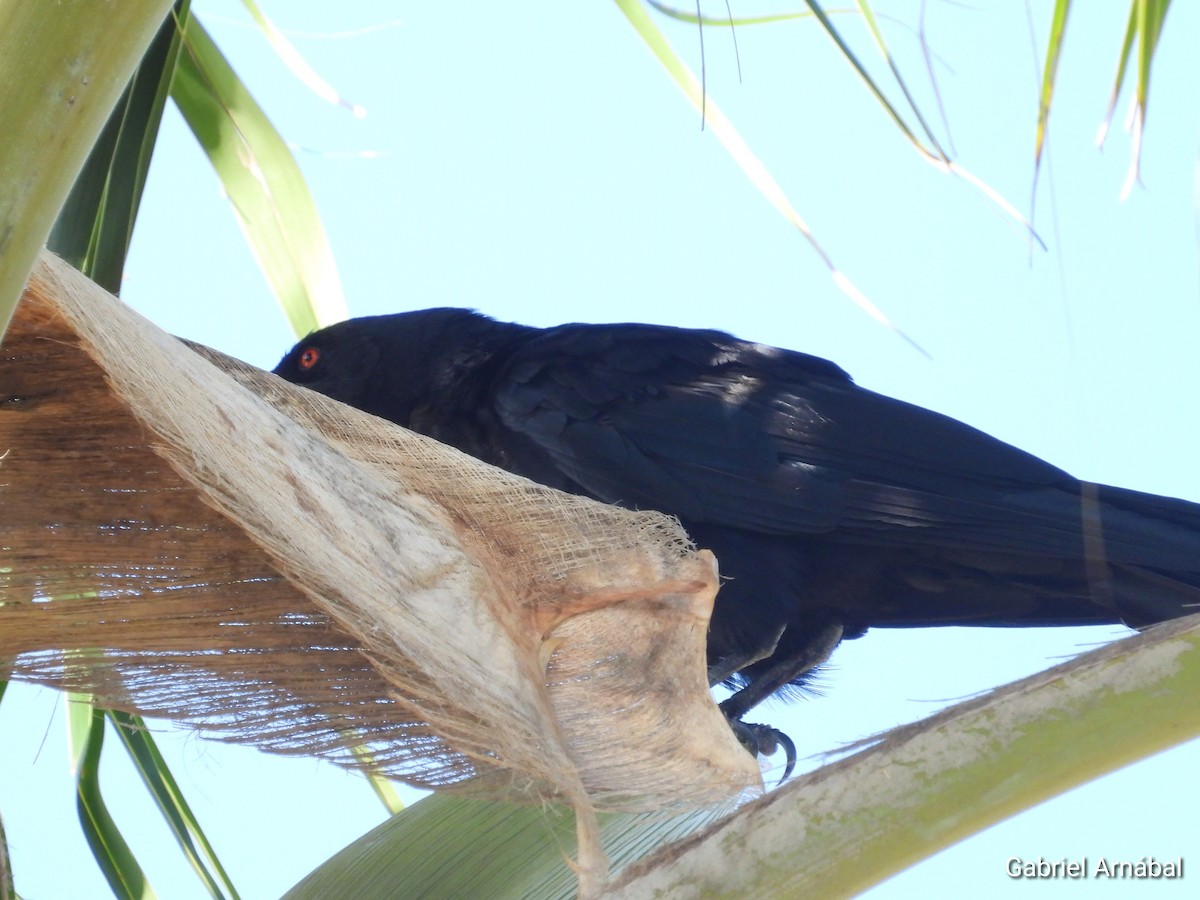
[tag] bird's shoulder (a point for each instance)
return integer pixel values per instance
(582, 369)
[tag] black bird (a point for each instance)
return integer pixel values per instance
(831, 509)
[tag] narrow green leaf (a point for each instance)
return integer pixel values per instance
(85, 726)
(383, 788)
(269, 196)
(387, 794)
(1049, 73)
(936, 156)
(693, 18)
(1144, 26)
(1150, 15)
(749, 163)
(876, 91)
(1119, 79)
(95, 225)
(877, 33)
(172, 804)
(293, 60)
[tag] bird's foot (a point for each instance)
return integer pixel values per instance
(763, 740)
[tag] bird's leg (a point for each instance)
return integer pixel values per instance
(728, 666)
(784, 670)
(763, 739)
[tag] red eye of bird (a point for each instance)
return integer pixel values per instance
(309, 357)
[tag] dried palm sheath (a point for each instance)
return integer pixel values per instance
(188, 537)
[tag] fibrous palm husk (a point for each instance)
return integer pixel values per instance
(188, 537)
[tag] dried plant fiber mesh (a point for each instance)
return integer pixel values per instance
(189, 537)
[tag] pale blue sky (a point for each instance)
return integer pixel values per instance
(536, 163)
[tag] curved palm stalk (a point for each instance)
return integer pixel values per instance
(839, 830)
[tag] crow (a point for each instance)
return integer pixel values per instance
(831, 509)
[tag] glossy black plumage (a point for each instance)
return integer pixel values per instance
(831, 509)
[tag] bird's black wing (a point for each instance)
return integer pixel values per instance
(721, 431)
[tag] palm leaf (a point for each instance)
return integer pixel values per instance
(746, 159)
(50, 46)
(165, 790)
(125, 877)
(95, 226)
(270, 199)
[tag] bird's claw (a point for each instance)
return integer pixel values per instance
(763, 740)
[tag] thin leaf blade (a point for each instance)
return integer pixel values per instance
(95, 225)
(169, 798)
(1058, 27)
(269, 196)
(125, 877)
(746, 159)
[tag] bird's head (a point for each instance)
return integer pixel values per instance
(391, 365)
